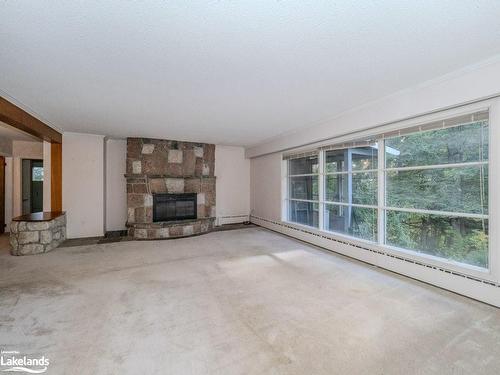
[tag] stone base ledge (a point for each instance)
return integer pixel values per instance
(35, 237)
(174, 229)
(152, 176)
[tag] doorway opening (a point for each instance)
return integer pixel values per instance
(32, 186)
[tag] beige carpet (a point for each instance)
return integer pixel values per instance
(238, 302)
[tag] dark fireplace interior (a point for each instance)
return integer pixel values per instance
(169, 207)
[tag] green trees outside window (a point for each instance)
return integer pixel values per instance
(444, 171)
(425, 191)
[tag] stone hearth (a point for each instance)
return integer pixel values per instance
(163, 166)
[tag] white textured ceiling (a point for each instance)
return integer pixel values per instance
(230, 72)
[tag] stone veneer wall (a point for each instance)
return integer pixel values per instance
(28, 238)
(165, 166)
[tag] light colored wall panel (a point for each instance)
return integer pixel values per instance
(83, 184)
(27, 149)
(265, 176)
(116, 186)
(232, 185)
(5, 147)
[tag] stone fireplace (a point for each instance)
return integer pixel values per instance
(170, 188)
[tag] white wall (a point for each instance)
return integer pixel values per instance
(27, 149)
(116, 186)
(266, 173)
(83, 184)
(266, 186)
(266, 211)
(5, 147)
(83, 155)
(232, 185)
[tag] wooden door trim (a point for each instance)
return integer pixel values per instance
(56, 177)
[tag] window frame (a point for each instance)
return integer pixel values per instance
(287, 199)
(349, 172)
(492, 273)
(385, 208)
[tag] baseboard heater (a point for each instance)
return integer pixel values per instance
(319, 240)
(232, 219)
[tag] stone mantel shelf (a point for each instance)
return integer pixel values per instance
(168, 176)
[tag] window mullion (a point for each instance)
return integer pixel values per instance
(284, 190)
(381, 192)
(321, 188)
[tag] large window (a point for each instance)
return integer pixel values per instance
(423, 190)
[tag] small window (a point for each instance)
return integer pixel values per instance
(37, 174)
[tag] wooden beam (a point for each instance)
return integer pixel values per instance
(56, 177)
(22, 120)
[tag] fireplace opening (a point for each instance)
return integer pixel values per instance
(170, 207)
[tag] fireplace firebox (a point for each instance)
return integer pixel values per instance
(172, 207)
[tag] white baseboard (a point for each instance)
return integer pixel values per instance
(481, 290)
